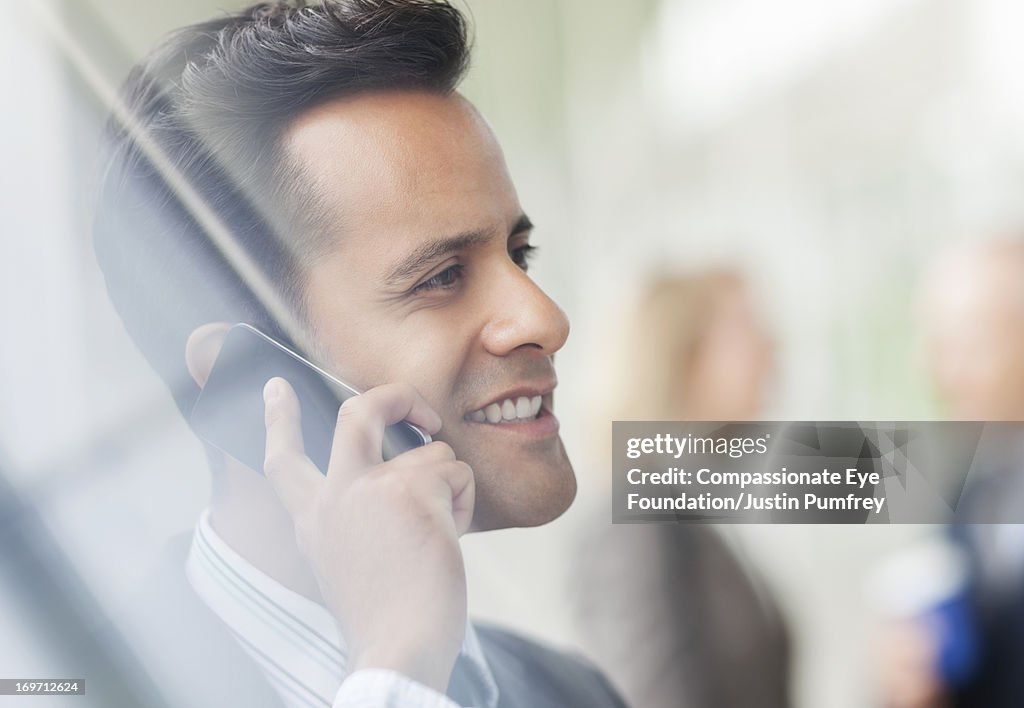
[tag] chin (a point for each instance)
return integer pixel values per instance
(529, 502)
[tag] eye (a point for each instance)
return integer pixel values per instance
(445, 279)
(523, 255)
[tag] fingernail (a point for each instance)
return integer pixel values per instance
(271, 392)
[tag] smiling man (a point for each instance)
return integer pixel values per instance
(428, 285)
(375, 200)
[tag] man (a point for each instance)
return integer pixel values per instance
(374, 202)
(972, 306)
(972, 314)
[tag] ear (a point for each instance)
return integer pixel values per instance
(202, 349)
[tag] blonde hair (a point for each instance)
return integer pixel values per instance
(658, 343)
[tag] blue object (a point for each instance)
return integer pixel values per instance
(957, 639)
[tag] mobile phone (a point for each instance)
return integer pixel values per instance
(229, 411)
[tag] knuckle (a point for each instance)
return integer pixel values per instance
(403, 489)
(398, 485)
(390, 494)
(461, 471)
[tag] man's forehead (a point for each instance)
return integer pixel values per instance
(393, 139)
(397, 170)
(384, 160)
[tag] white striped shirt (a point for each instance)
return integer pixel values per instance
(296, 642)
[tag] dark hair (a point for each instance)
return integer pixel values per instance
(214, 99)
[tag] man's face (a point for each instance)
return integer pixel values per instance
(426, 284)
(974, 329)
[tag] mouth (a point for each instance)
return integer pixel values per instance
(525, 411)
(508, 411)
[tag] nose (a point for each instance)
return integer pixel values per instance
(522, 315)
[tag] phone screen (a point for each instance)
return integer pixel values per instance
(229, 411)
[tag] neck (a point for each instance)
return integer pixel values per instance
(248, 516)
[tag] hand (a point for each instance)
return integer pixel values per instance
(381, 537)
(905, 666)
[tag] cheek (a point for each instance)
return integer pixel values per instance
(431, 362)
(427, 350)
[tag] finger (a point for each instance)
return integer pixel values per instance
(294, 477)
(463, 485)
(359, 433)
(432, 452)
(461, 491)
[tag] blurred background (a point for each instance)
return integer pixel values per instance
(825, 150)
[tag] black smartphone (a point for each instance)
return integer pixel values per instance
(229, 411)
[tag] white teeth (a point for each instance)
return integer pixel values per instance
(523, 407)
(509, 410)
(493, 413)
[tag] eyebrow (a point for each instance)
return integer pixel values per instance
(415, 261)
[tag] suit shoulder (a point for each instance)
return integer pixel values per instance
(567, 678)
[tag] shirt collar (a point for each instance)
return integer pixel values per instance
(292, 638)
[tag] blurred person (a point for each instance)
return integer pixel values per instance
(971, 307)
(669, 611)
(972, 312)
(331, 140)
